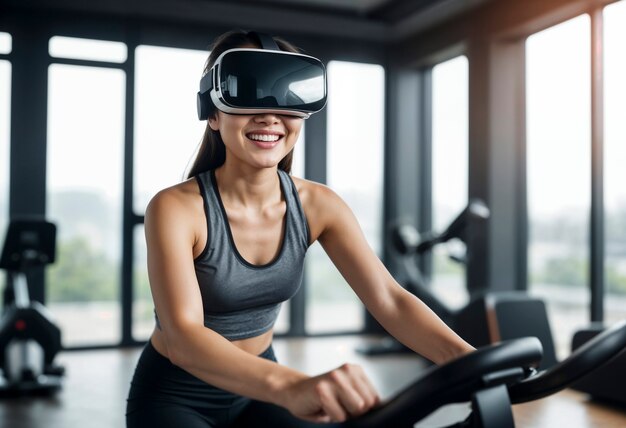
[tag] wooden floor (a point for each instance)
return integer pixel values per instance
(97, 383)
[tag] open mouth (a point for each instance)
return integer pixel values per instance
(264, 138)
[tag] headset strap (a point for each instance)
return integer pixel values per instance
(206, 82)
(266, 41)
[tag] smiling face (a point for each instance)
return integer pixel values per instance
(259, 140)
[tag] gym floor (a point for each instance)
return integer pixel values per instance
(97, 382)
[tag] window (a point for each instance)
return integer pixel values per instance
(297, 170)
(167, 135)
(143, 306)
(87, 49)
(5, 126)
(84, 198)
(449, 172)
(355, 172)
(167, 129)
(5, 43)
(297, 165)
(614, 161)
(558, 132)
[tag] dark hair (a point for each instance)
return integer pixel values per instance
(212, 152)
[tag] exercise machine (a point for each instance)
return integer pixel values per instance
(489, 317)
(29, 339)
(491, 379)
(606, 383)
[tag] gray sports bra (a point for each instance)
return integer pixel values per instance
(242, 300)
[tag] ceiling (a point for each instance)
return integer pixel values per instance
(380, 20)
(388, 11)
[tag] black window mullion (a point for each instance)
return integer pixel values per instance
(425, 220)
(130, 220)
(85, 62)
(28, 136)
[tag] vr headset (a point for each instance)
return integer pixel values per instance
(267, 80)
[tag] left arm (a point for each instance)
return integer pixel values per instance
(401, 313)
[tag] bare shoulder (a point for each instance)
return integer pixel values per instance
(177, 207)
(178, 199)
(321, 205)
(313, 194)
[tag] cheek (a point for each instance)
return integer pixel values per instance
(231, 132)
(291, 140)
(295, 129)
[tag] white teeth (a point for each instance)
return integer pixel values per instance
(264, 137)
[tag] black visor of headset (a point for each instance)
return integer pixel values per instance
(252, 81)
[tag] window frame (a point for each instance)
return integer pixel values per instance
(32, 59)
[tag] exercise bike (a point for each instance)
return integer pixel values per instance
(489, 317)
(29, 339)
(491, 379)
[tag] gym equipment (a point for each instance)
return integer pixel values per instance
(480, 377)
(489, 317)
(29, 340)
(600, 350)
(607, 383)
(491, 379)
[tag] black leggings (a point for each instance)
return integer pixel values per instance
(163, 395)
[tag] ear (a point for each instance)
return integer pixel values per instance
(214, 122)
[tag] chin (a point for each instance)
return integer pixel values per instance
(264, 164)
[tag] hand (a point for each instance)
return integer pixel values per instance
(335, 396)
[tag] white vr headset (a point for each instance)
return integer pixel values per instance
(253, 81)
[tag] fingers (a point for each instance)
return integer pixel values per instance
(346, 392)
(330, 401)
(320, 417)
(363, 386)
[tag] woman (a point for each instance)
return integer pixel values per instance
(225, 247)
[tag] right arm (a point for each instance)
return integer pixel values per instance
(209, 356)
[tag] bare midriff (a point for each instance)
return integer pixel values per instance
(254, 345)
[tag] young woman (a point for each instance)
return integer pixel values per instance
(225, 247)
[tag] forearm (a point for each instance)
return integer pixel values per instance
(414, 324)
(213, 359)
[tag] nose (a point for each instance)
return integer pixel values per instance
(267, 118)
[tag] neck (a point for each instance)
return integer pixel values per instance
(247, 187)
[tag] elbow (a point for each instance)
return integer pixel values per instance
(177, 344)
(176, 357)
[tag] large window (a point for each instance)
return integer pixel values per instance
(84, 198)
(167, 134)
(297, 169)
(558, 169)
(5, 122)
(449, 172)
(355, 172)
(5, 127)
(5, 43)
(614, 161)
(167, 129)
(87, 49)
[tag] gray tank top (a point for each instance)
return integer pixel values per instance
(242, 300)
